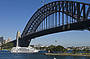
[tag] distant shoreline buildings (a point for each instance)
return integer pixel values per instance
(3, 41)
(6, 41)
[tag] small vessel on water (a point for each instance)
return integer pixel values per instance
(24, 50)
(19, 49)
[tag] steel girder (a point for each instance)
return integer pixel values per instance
(77, 10)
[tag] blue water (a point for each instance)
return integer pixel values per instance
(36, 56)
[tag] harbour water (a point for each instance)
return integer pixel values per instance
(37, 56)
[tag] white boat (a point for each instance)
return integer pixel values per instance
(19, 49)
(24, 50)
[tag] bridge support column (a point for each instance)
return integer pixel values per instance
(68, 27)
(24, 42)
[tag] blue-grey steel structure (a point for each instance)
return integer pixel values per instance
(57, 16)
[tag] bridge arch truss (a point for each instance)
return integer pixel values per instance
(58, 14)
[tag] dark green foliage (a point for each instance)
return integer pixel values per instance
(86, 50)
(8, 46)
(56, 48)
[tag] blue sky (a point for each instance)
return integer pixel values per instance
(14, 15)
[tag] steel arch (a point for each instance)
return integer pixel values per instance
(70, 8)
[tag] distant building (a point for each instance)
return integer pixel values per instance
(1, 41)
(38, 45)
(70, 48)
(6, 41)
(79, 48)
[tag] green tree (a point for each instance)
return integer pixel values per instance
(86, 50)
(8, 46)
(56, 48)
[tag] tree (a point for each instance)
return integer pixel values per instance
(86, 50)
(8, 46)
(56, 48)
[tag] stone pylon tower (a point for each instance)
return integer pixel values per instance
(17, 37)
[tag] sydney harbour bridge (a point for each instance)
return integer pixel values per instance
(56, 16)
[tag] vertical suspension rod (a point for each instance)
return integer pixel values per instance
(72, 12)
(44, 23)
(84, 16)
(46, 17)
(67, 12)
(70, 7)
(78, 12)
(62, 13)
(49, 17)
(59, 13)
(56, 15)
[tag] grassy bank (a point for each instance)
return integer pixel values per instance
(68, 54)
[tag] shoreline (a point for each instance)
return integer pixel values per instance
(65, 54)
